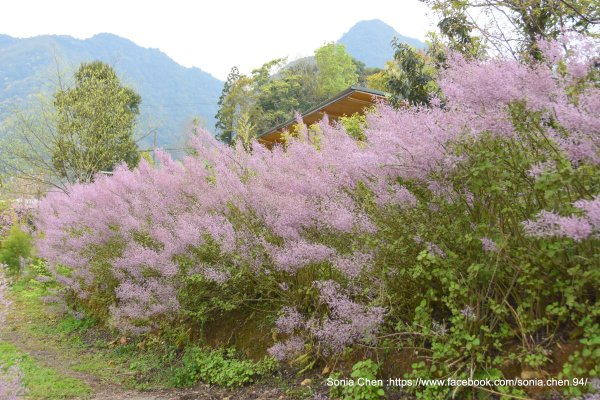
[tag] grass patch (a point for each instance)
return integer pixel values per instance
(42, 382)
(154, 363)
(97, 351)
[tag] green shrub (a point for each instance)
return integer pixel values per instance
(15, 246)
(355, 125)
(471, 304)
(219, 367)
(38, 267)
(365, 387)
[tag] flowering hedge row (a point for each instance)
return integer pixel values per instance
(467, 229)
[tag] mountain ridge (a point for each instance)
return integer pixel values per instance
(369, 41)
(171, 94)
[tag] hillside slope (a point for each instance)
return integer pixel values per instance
(171, 94)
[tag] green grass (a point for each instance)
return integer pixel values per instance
(79, 339)
(41, 382)
(92, 350)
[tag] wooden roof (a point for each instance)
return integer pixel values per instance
(355, 99)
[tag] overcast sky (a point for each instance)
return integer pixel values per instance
(214, 35)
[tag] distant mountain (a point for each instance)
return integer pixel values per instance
(370, 42)
(171, 94)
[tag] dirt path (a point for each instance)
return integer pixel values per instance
(26, 316)
(105, 390)
(101, 389)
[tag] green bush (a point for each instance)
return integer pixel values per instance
(15, 246)
(481, 312)
(366, 386)
(219, 367)
(38, 267)
(355, 125)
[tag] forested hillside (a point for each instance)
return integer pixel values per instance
(172, 95)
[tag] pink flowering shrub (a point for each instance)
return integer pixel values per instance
(18, 212)
(466, 230)
(550, 224)
(6, 222)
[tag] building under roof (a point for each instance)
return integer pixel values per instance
(355, 99)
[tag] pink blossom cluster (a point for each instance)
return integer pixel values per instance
(18, 212)
(6, 222)
(550, 224)
(488, 245)
(287, 349)
(265, 208)
(157, 215)
(541, 168)
(345, 323)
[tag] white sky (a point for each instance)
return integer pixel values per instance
(214, 35)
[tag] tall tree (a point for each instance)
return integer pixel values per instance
(249, 105)
(27, 140)
(513, 26)
(225, 114)
(273, 92)
(306, 73)
(336, 69)
(278, 94)
(85, 127)
(95, 124)
(363, 72)
(411, 77)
